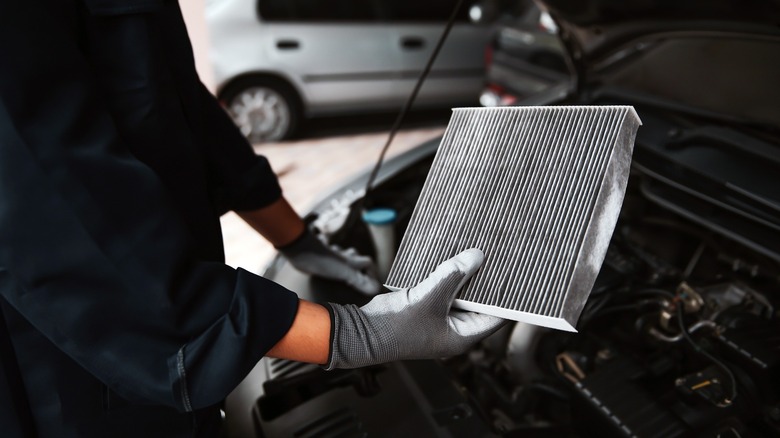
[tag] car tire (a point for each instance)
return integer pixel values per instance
(264, 109)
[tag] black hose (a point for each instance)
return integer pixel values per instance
(625, 307)
(713, 359)
(654, 291)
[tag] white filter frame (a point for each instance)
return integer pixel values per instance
(567, 166)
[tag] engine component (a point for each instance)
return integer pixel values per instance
(401, 399)
(380, 222)
(611, 400)
(707, 384)
(755, 345)
(539, 190)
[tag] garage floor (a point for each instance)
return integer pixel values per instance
(308, 170)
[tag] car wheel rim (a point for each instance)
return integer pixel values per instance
(262, 114)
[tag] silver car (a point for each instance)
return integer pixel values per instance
(279, 61)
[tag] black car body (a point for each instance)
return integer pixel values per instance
(700, 225)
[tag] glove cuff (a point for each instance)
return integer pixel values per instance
(333, 323)
(297, 243)
(357, 340)
(306, 243)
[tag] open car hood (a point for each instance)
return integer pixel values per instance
(702, 75)
(716, 58)
(599, 27)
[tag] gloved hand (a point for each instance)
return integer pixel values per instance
(310, 255)
(415, 323)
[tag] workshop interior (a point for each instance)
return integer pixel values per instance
(678, 335)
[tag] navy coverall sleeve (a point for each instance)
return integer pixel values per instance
(92, 252)
(247, 180)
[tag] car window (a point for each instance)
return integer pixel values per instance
(421, 11)
(317, 10)
(359, 10)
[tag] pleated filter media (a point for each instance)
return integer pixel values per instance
(538, 190)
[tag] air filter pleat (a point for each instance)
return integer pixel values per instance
(537, 189)
(583, 202)
(508, 153)
(540, 243)
(577, 203)
(554, 220)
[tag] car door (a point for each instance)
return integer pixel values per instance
(337, 52)
(458, 74)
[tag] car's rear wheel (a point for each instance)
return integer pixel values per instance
(264, 109)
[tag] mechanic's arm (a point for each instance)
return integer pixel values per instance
(278, 222)
(393, 326)
(308, 337)
(282, 226)
(413, 323)
(249, 187)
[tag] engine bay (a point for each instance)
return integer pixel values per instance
(680, 337)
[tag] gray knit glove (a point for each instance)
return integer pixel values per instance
(414, 323)
(312, 256)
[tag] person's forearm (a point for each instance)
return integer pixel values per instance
(308, 339)
(277, 222)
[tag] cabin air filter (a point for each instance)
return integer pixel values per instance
(538, 190)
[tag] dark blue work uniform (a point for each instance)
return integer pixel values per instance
(119, 317)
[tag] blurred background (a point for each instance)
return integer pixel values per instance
(316, 86)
